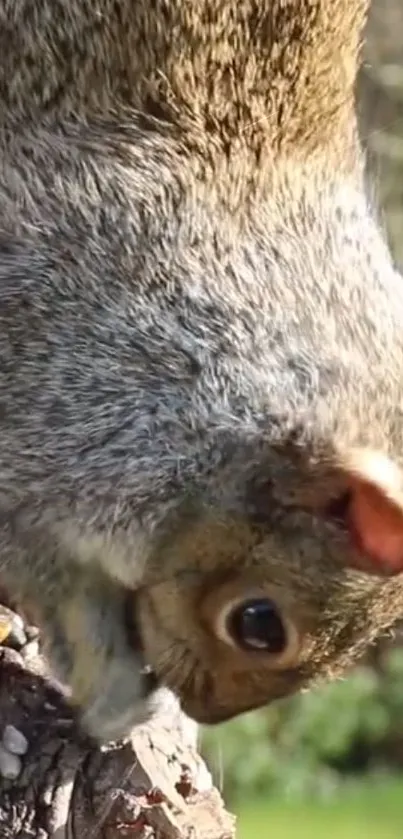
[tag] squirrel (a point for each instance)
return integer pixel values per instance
(201, 341)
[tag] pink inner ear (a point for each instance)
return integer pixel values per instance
(376, 524)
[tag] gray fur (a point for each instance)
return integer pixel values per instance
(175, 308)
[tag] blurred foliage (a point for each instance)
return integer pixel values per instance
(372, 810)
(312, 743)
(380, 104)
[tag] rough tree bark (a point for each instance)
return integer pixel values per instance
(157, 786)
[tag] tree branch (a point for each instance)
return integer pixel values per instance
(157, 786)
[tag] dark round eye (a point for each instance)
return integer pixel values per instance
(256, 625)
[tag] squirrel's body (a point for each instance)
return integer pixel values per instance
(198, 314)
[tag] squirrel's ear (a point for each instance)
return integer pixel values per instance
(374, 514)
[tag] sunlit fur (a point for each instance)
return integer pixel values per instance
(199, 317)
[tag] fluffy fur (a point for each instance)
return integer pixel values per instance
(198, 313)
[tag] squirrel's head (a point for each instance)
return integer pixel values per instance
(262, 603)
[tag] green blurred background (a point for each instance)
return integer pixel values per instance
(326, 762)
(329, 763)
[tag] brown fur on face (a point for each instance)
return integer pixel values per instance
(303, 563)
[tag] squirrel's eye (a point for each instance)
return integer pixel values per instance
(256, 625)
